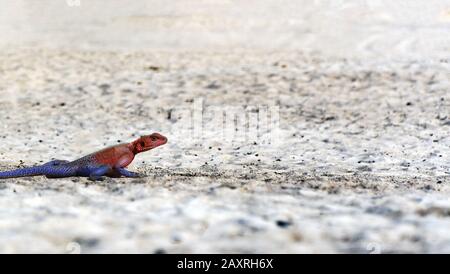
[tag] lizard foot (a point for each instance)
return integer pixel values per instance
(96, 178)
(127, 173)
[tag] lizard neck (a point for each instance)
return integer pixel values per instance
(133, 148)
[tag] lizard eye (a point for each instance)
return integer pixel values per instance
(153, 139)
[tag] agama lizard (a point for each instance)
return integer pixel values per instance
(110, 162)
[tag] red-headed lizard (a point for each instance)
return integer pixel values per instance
(110, 162)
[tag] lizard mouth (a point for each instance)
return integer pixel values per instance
(161, 139)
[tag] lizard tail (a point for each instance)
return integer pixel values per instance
(29, 171)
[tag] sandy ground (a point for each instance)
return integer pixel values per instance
(352, 157)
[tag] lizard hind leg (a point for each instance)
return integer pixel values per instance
(98, 173)
(56, 163)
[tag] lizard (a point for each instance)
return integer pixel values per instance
(110, 161)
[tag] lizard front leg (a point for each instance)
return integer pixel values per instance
(126, 173)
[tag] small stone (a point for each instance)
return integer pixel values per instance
(153, 68)
(159, 251)
(283, 223)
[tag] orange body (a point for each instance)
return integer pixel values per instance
(117, 156)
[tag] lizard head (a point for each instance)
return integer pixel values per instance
(148, 142)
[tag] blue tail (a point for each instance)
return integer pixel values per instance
(29, 171)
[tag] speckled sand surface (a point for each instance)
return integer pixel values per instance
(358, 162)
